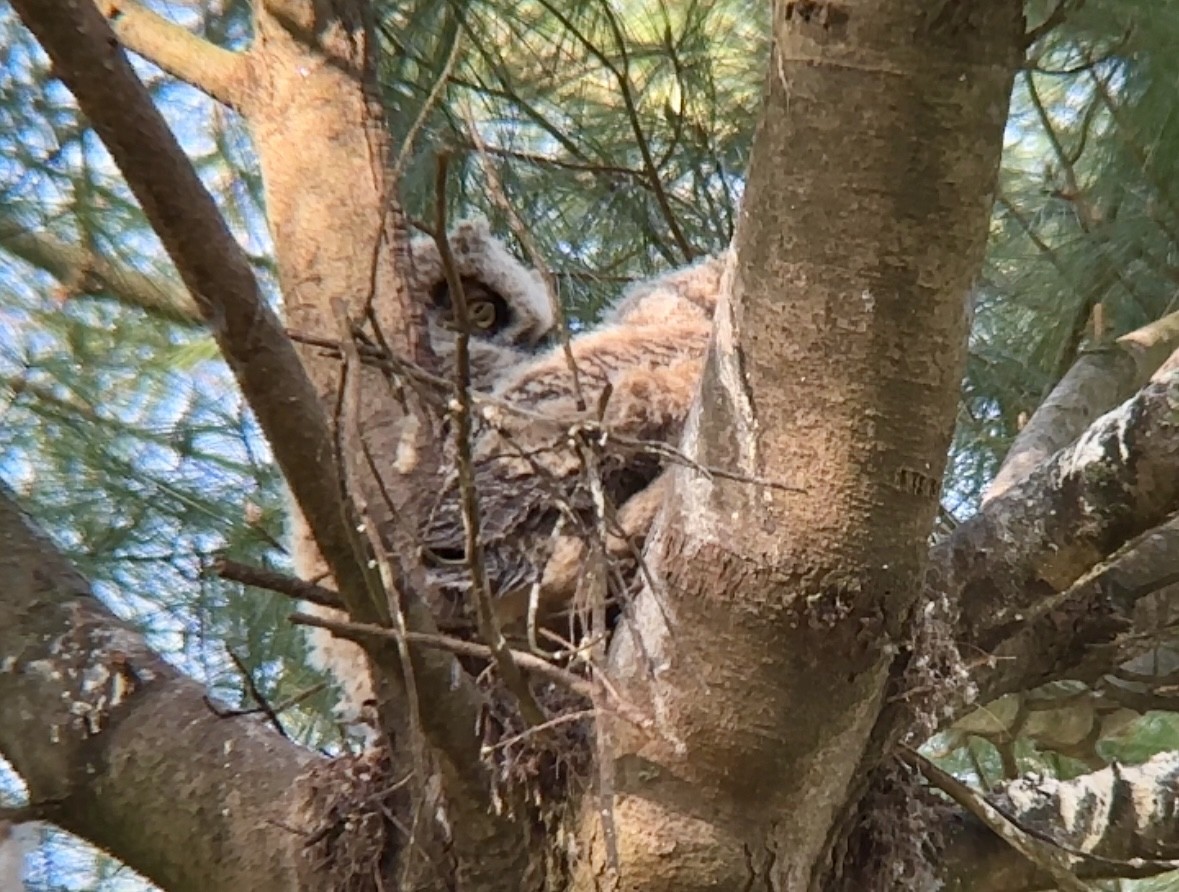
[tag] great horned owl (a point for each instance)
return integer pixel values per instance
(648, 353)
(507, 304)
(510, 316)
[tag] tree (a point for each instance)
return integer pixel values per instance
(827, 632)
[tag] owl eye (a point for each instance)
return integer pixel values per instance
(482, 314)
(487, 311)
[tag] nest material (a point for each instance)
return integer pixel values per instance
(358, 808)
(364, 822)
(536, 768)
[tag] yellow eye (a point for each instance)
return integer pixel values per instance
(482, 314)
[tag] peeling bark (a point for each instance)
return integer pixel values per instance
(1096, 382)
(125, 751)
(1117, 822)
(1008, 566)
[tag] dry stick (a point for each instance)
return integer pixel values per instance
(377, 571)
(598, 565)
(499, 196)
(280, 583)
(488, 625)
(432, 98)
(1034, 844)
(563, 719)
(354, 631)
(256, 695)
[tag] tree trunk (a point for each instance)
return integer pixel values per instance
(780, 601)
(783, 592)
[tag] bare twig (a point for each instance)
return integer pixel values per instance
(522, 233)
(255, 694)
(280, 583)
(563, 719)
(597, 579)
(1052, 21)
(529, 662)
(34, 811)
(367, 545)
(488, 624)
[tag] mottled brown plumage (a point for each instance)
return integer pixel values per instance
(644, 361)
(511, 315)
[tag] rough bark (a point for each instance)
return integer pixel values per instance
(1103, 606)
(340, 245)
(125, 751)
(1096, 382)
(1117, 822)
(1008, 566)
(834, 368)
(303, 94)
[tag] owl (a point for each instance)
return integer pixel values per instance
(510, 315)
(638, 370)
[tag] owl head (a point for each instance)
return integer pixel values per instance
(507, 303)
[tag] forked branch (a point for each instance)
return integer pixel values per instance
(222, 74)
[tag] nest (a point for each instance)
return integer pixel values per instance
(536, 768)
(357, 807)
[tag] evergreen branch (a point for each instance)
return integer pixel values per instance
(84, 271)
(1129, 138)
(621, 75)
(219, 73)
(593, 167)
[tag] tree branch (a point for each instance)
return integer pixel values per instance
(210, 262)
(1096, 382)
(259, 577)
(222, 74)
(1008, 564)
(84, 271)
(218, 274)
(118, 740)
(1114, 823)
